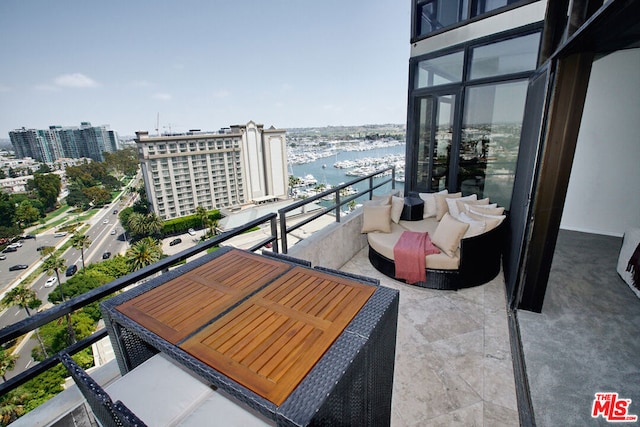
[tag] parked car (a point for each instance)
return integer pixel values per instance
(29, 236)
(3, 257)
(50, 281)
(106, 255)
(175, 242)
(10, 249)
(60, 234)
(15, 245)
(191, 231)
(18, 267)
(113, 232)
(71, 270)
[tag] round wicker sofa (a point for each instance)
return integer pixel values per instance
(477, 260)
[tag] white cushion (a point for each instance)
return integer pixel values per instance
(491, 221)
(376, 218)
(430, 203)
(452, 204)
(487, 210)
(221, 409)
(159, 391)
(448, 234)
(441, 204)
(397, 205)
(475, 227)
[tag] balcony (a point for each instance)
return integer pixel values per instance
(453, 360)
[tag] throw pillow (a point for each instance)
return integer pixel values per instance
(452, 204)
(397, 205)
(491, 221)
(376, 218)
(384, 200)
(464, 205)
(441, 204)
(448, 234)
(430, 202)
(476, 228)
(487, 210)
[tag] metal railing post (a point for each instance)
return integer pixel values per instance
(338, 206)
(283, 231)
(274, 233)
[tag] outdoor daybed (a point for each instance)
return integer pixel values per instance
(466, 232)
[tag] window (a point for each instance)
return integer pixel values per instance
(490, 139)
(506, 57)
(433, 15)
(441, 70)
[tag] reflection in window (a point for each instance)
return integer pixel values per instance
(435, 14)
(490, 140)
(441, 70)
(505, 57)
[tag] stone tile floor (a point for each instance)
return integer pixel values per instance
(453, 359)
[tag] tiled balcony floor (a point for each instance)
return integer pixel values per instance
(453, 358)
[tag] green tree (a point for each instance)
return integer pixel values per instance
(97, 195)
(26, 213)
(43, 168)
(7, 210)
(201, 213)
(7, 363)
(81, 242)
(140, 225)
(144, 252)
(48, 187)
(54, 263)
(76, 197)
(26, 299)
(2, 174)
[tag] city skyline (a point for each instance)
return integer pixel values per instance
(202, 65)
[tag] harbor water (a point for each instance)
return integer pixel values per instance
(324, 172)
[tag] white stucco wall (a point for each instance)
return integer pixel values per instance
(603, 195)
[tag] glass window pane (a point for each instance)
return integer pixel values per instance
(441, 70)
(506, 57)
(436, 14)
(490, 140)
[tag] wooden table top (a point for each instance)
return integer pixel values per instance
(176, 309)
(272, 340)
(268, 340)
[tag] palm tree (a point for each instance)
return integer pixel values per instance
(27, 299)
(54, 263)
(81, 242)
(7, 363)
(201, 212)
(142, 253)
(147, 225)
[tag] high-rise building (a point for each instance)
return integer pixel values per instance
(48, 145)
(235, 166)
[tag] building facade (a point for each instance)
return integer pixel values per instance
(48, 145)
(235, 166)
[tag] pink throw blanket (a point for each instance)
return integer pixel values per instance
(409, 253)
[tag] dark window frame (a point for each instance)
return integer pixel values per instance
(417, 4)
(457, 89)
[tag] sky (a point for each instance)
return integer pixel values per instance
(202, 64)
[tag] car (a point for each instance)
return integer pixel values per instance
(28, 236)
(60, 234)
(71, 270)
(106, 255)
(50, 282)
(18, 267)
(10, 249)
(191, 231)
(175, 242)
(16, 245)
(115, 211)
(113, 232)
(3, 257)
(106, 221)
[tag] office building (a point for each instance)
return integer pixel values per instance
(230, 168)
(48, 145)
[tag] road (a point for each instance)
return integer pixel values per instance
(101, 226)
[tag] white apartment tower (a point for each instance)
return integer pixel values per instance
(237, 165)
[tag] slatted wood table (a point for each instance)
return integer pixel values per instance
(283, 338)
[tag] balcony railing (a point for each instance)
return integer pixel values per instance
(29, 324)
(337, 206)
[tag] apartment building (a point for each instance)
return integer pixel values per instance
(235, 166)
(57, 142)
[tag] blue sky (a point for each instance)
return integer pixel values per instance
(202, 64)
